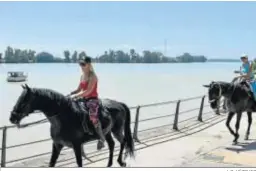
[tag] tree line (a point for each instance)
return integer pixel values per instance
(15, 55)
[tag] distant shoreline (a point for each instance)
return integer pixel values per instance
(16, 55)
(223, 60)
(209, 61)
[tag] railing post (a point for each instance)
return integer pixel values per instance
(3, 154)
(136, 125)
(176, 118)
(199, 118)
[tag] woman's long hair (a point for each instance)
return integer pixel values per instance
(92, 71)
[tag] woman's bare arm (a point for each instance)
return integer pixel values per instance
(91, 85)
(78, 88)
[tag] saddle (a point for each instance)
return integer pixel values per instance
(103, 116)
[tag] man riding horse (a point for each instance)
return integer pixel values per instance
(246, 74)
(239, 97)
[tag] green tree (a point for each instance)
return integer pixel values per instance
(67, 56)
(103, 58)
(58, 60)
(200, 58)
(135, 58)
(122, 57)
(15, 55)
(186, 57)
(44, 57)
(74, 56)
(147, 56)
(81, 55)
(31, 55)
(9, 55)
(21, 56)
(165, 59)
(111, 56)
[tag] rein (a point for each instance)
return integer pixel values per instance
(219, 96)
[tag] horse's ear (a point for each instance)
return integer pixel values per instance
(27, 87)
(207, 86)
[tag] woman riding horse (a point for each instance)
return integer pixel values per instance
(88, 92)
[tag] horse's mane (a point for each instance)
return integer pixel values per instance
(53, 96)
(241, 86)
(223, 82)
(50, 94)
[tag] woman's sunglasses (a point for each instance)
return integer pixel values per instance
(82, 64)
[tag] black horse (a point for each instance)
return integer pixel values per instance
(64, 115)
(239, 98)
(234, 81)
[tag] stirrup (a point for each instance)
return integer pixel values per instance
(100, 144)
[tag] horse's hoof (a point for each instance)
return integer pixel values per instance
(234, 142)
(246, 138)
(124, 165)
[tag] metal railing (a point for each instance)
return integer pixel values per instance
(175, 125)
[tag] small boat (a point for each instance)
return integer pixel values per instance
(16, 76)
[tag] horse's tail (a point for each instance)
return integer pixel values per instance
(129, 144)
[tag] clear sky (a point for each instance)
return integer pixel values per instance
(214, 29)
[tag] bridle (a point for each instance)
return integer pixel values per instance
(220, 93)
(26, 109)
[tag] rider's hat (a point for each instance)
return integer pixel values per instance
(86, 60)
(244, 56)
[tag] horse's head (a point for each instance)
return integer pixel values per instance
(214, 93)
(23, 106)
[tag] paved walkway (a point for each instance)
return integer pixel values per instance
(209, 148)
(206, 144)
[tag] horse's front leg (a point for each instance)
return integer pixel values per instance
(238, 119)
(82, 152)
(249, 114)
(56, 149)
(230, 116)
(77, 150)
(225, 105)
